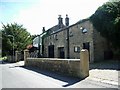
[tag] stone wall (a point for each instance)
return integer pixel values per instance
(69, 67)
(58, 40)
(73, 67)
(19, 56)
(100, 46)
(78, 38)
(10, 58)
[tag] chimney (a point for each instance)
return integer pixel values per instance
(43, 30)
(60, 21)
(67, 20)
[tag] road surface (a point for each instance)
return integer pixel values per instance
(17, 76)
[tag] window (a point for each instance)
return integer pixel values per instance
(50, 37)
(77, 49)
(55, 37)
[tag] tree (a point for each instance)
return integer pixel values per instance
(21, 38)
(106, 20)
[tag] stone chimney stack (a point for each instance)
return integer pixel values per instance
(67, 20)
(60, 21)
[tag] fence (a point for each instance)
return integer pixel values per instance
(19, 55)
(73, 67)
(34, 54)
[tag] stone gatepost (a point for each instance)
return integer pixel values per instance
(84, 63)
(16, 56)
(26, 55)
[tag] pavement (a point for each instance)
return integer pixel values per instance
(105, 76)
(106, 72)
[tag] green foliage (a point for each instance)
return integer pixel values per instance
(106, 20)
(21, 38)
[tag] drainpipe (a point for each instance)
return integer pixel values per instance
(68, 47)
(38, 45)
(68, 51)
(41, 39)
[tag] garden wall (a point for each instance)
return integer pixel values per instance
(72, 67)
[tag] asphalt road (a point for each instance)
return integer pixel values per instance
(16, 76)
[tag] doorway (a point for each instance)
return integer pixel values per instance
(51, 51)
(87, 46)
(61, 53)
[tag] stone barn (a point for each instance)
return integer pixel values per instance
(64, 41)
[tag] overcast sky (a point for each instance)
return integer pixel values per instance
(35, 14)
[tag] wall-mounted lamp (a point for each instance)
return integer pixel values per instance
(84, 30)
(81, 28)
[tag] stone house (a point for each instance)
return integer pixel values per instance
(64, 41)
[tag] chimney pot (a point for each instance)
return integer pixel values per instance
(60, 21)
(43, 29)
(67, 20)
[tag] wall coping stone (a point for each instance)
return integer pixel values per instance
(53, 59)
